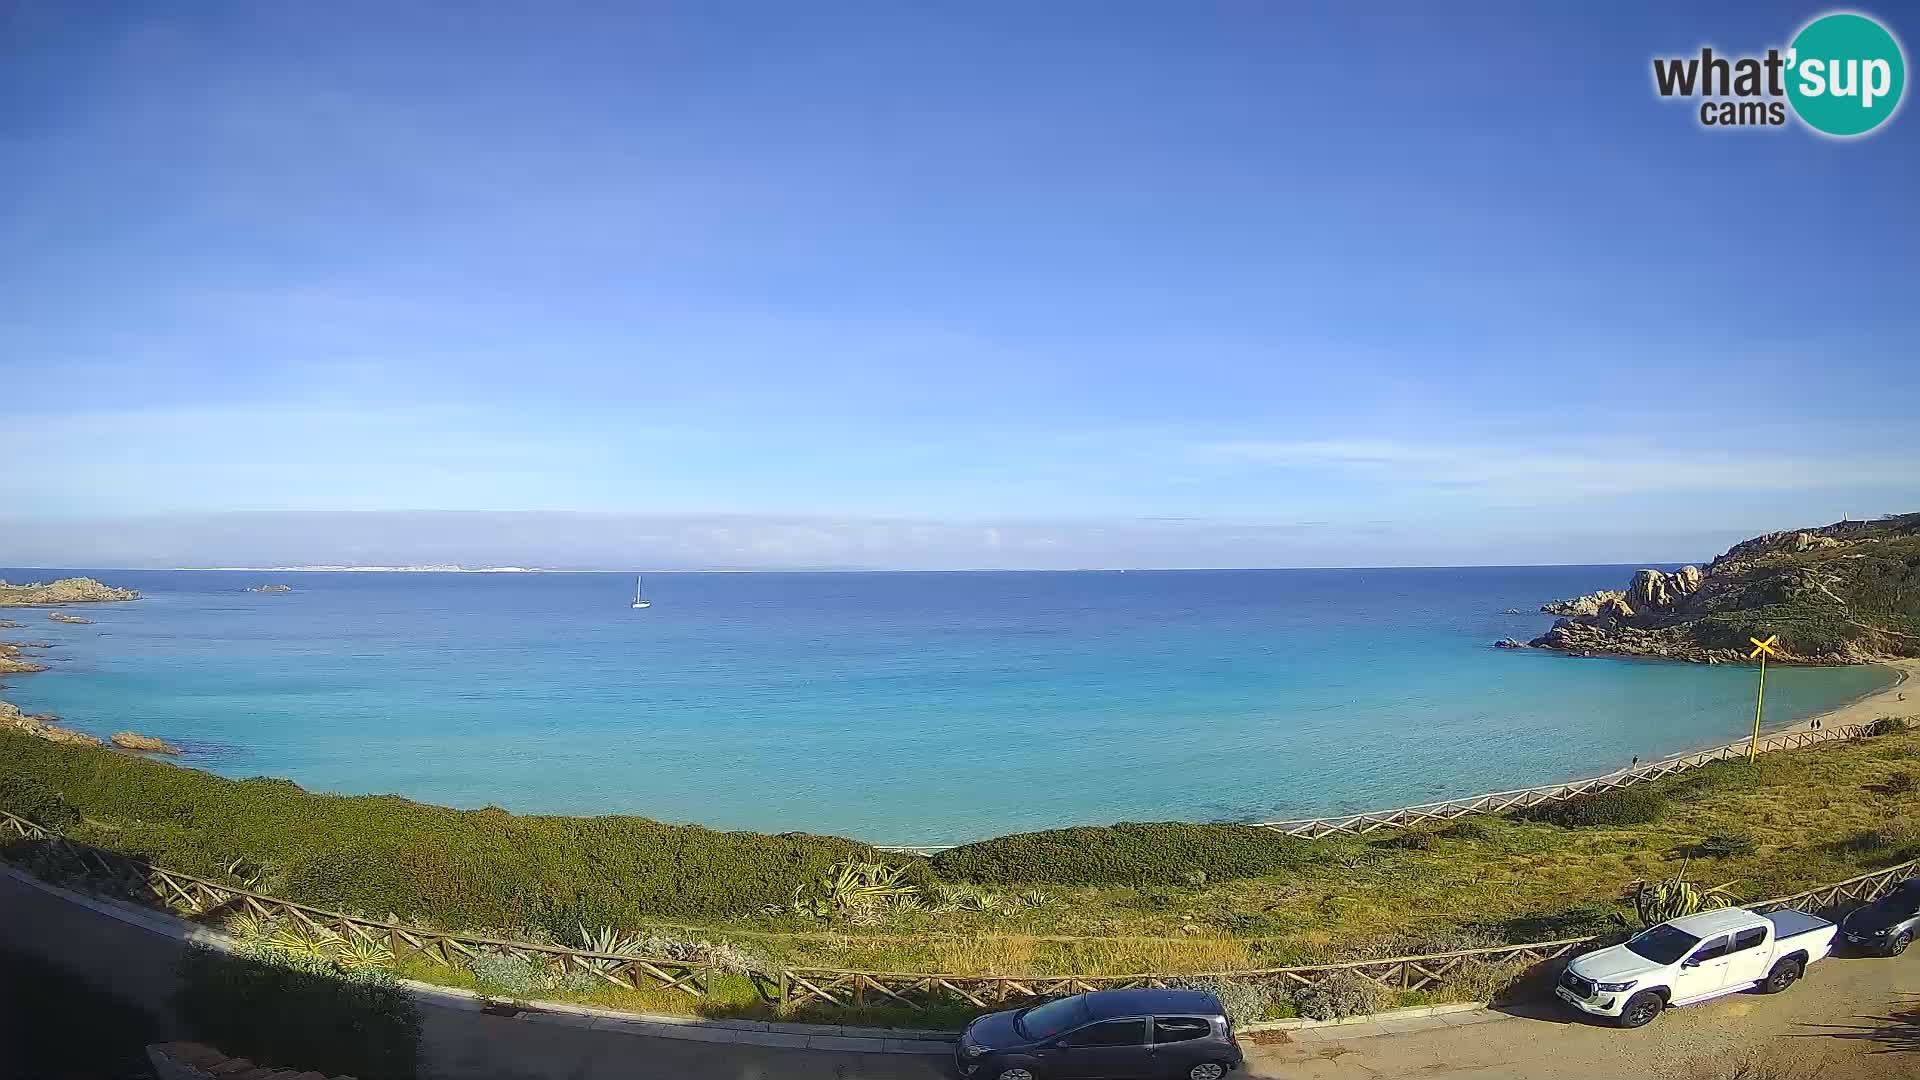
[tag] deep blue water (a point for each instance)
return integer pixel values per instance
(905, 707)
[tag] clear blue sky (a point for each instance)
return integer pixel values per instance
(1245, 283)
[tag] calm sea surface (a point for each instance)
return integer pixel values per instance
(904, 708)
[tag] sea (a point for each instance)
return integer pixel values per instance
(897, 708)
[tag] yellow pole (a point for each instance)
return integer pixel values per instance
(1759, 703)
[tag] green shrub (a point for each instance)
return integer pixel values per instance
(29, 798)
(1471, 829)
(1408, 840)
(1340, 995)
(1129, 854)
(1900, 783)
(1244, 1000)
(1621, 806)
(299, 1012)
(1726, 843)
(453, 868)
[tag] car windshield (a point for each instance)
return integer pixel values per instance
(1662, 944)
(1046, 1021)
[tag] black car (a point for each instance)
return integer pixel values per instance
(1888, 924)
(1110, 1034)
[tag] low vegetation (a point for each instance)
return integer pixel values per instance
(457, 869)
(1126, 899)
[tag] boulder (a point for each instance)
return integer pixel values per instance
(1657, 590)
(128, 740)
(1588, 605)
(1510, 643)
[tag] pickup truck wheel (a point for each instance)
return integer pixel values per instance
(1784, 974)
(1899, 944)
(1641, 1009)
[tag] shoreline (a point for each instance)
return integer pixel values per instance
(1883, 702)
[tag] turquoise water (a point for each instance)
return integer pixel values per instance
(903, 708)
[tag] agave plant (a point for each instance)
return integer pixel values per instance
(849, 885)
(324, 944)
(245, 874)
(1676, 897)
(1034, 898)
(358, 953)
(250, 927)
(612, 942)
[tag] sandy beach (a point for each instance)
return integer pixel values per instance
(1900, 699)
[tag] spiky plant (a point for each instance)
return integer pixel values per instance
(250, 927)
(1676, 897)
(322, 944)
(360, 954)
(246, 875)
(849, 885)
(1034, 898)
(612, 942)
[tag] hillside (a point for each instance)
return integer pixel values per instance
(1843, 594)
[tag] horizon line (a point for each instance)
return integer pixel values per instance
(838, 570)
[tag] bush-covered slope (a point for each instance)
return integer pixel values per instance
(378, 854)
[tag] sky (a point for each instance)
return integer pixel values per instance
(931, 285)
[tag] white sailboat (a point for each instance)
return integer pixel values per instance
(639, 601)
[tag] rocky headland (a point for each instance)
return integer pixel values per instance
(11, 663)
(1847, 593)
(74, 590)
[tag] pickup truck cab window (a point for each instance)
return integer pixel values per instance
(1712, 950)
(1749, 939)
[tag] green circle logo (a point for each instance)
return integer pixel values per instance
(1845, 73)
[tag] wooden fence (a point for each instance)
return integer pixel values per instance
(50, 855)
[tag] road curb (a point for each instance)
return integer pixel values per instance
(859, 1040)
(1415, 1012)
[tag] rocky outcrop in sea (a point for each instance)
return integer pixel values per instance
(77, 590)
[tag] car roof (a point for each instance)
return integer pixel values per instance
(1102, 1004)
(1719, 921)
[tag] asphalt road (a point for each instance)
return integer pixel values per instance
(1850, 1019)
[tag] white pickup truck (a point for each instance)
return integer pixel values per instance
(1688, 960)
